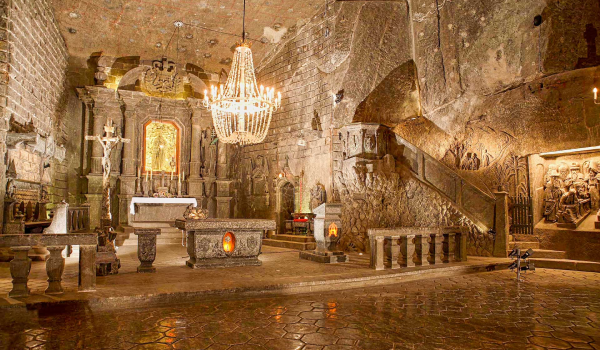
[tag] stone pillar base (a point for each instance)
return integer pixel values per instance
(107, 263)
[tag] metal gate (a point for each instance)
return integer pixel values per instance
(521, 213)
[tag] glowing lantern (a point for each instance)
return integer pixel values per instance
(333, 230)
(228, 242)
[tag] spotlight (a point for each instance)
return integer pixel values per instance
(527, 254)
(515, 252)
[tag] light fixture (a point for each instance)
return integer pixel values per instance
(595, 90)
(241, 110)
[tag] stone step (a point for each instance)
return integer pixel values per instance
(547, 254)
(293, 238)
(524, 245)
(289, 244)
(154, 224)
(566, 264)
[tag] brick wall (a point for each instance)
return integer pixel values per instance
(293, 71)
(33, 62)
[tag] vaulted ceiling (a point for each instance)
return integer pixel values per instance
(144, 27)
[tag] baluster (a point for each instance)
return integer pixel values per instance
(408, 250)
(393, 251)
(55, 265)
(435, 249)
(20, 266)
(378, 253)
(449, 247)
(422, 248)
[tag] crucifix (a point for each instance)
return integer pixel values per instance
(106, 234)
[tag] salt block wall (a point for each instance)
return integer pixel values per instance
(33, 62)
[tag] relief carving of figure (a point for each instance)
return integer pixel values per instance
(552, 195)
(317, 196)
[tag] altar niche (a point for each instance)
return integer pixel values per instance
(161, 148)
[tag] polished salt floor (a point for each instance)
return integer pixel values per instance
(552, 309)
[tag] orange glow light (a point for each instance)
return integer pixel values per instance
(228, 242)
(333, 230)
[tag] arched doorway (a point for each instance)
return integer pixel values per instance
(287, 205)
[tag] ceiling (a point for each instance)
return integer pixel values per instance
(143, 27)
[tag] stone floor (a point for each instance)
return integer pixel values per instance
(551, 310)
(282, 271)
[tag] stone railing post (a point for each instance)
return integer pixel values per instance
(502, 225)
(408, 250)
(19, 270)
(435, 248)
(377, 253)
(55, 265)
(87, 268)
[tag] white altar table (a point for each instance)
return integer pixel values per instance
(153, 200)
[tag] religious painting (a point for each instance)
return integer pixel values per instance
(161, 147)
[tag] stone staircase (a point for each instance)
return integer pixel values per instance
(296, 242)
(168, 234)
(550, 259)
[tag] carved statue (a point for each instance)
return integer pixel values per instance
(106, 234)
(317, 196)
(552, 195)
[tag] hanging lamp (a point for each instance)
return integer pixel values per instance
(241, 110)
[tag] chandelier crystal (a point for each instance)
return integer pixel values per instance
(241, 110)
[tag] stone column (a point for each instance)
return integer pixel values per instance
(87, 268)
(146, 248)
(19, 270)
(408, 250)
(502, 225)
(55, 265)
(98, 121)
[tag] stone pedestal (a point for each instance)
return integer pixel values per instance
(224, 242)
(19, 270)
(87, 268)
(146, 248)
(326, 252)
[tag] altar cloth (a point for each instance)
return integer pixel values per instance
(159, 200)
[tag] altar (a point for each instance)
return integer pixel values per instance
(152, 209)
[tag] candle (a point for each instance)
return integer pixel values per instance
(150, 174)
(179, 178)
(595, 93)
(139, 172)
(146, 176)
(171, 175)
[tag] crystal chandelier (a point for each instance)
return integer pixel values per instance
(241, 110)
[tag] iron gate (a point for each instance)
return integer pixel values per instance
(521, 213)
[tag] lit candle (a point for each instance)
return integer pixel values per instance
(595, 93)
(171, 175)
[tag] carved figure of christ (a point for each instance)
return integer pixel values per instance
(108, 142)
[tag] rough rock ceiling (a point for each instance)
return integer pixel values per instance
(143, 27)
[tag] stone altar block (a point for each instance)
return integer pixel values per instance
(224, 242)
(150, 209)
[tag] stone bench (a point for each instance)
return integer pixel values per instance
(412, 246)
(20, 265)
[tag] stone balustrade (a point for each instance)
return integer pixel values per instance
(20, 266)
(417, 246)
